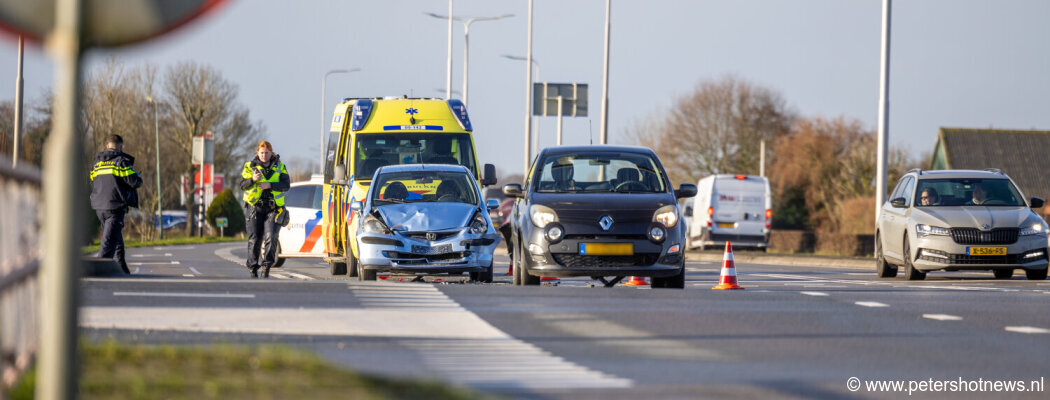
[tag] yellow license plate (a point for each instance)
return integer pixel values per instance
(726, 225)
(986, 251)
(606, 249)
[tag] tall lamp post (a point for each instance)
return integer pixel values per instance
(466, 43)
(156, 144)
(324, 120)
(536, 137)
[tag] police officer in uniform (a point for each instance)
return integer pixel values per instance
(264, 180)
(113, 190)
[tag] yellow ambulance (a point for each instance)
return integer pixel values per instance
(374, 132)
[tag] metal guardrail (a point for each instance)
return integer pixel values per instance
(21, 211)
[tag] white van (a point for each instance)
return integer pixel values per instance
(734, 208)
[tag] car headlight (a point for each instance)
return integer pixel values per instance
(656, 233)
(555, 232)
(925, 230)
(478, 224)
(666, 216)
(542, 215)
(372, 224)
(1033, 229)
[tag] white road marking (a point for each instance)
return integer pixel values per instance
(279, 275)
(814, 293)
(195, 271)
(208, 295)
(226, 253)
(188, 275)
(136, 270)
(1026, 329)
(155, 263)
(150, 255)
(942, 317)
(460, 346)
(871, 304)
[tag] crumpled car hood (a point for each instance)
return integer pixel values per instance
(975, 216)
(428, 217)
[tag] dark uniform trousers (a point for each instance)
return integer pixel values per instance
(112, 243)
(262, 233)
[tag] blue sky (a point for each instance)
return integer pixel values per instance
(954, 63)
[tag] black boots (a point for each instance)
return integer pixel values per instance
(266, 272)
(255, 271)
(124, 266)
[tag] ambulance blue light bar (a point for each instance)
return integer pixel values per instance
(460, 111)
(362, 109)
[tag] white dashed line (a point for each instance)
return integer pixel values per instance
(195, 271)
(814, 293)
(942, 317)
(871, 304)
(208, 295)
(155, 263)
(189, 275)
(1026, 329)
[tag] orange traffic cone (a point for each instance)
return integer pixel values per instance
(636, 281)
(510, 269)
(728, 278)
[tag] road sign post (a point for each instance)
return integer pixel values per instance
(70, 27)
(222, 223)
(569, 99)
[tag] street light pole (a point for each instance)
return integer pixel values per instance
(160, 200)
(466, 46)
(528, 97)
(18, 103)
(604, 134)
(536, 138)
(884, 110)
(324, 120)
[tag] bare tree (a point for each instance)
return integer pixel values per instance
(717, 128)
(832, 163)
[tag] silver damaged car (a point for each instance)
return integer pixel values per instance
(960, 220)
(425, 219)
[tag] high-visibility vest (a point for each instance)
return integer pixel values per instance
(110, 168)
(253, 194)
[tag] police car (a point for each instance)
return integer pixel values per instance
(302, 236)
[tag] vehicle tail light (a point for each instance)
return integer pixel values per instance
(741, 177)
(710, 215)
(769, 216)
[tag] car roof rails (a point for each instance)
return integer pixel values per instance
(916, 170)
(995, 170)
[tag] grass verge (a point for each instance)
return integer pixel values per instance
(112, 370)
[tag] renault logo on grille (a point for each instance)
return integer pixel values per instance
(431, 236)
(606, 222)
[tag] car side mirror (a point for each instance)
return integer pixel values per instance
(356, 206)
(512, 190)
(1037, 202)
(685, 190)
(898, 202)
(339, 175)
(689, 211)
(491, 204)
(489, 177)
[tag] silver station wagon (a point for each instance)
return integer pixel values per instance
(960, 220)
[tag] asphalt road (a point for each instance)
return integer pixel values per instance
(795, 332)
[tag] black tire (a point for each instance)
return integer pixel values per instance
(483, 276)
(883, 268)
(336, 267)
(1035, 274)
(351, 265)
(365, 274)
(515, 263)
(526, 279)
(910, 273)
(1004, 273)
(670, 282)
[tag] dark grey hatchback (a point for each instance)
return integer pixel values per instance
(606, 212)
